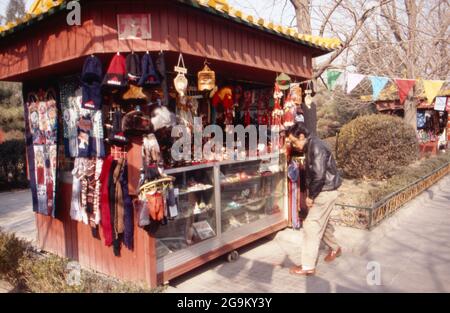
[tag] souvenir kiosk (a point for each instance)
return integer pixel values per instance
(432, 121)
(79, 79)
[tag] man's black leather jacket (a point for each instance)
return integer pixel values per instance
(321, 170)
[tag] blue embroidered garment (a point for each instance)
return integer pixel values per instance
(83, 128)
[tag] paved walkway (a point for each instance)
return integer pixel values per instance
(16, 214)
(412, 249)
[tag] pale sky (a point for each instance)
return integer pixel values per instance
(263, 8)
(4, 4)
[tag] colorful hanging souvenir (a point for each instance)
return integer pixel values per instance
(296, 93)
(283, 81)
(206, 79)
(290, 111)
(41, 120)
(277, 113)
(225, 97)
(180, 82)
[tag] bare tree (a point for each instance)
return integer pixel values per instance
(407, 39)
(15, 10)
(394, 38)
(303, 15)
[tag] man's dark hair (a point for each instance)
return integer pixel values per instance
(297, 129)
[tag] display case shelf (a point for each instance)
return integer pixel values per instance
(185, 192)
(226, 184)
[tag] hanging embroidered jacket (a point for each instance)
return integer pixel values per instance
(83, 128)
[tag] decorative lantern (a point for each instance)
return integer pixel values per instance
(206, 79)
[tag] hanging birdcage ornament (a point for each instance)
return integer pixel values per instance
(180, 82)
(206, 78)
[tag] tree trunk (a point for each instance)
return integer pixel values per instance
(410, 106)
(303, 15)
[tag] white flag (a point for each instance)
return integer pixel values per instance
(353, 80)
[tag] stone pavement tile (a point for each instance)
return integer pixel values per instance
(354, 271)
(419, 282)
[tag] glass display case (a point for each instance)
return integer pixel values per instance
(221, 206)
(250, 191)
(195, 220)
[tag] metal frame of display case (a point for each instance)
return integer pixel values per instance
(182, 261)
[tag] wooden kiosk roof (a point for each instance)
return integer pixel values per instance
(43, 43)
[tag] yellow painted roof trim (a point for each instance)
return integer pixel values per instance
(222, 5)
(41, 6)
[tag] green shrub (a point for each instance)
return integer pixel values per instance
(331, 142)
(44, 274)
(12, 250)
(376, 146)
(50, 274)
(29, 271)
(13, 165)
(407, 176)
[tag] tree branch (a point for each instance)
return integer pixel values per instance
(328, 16)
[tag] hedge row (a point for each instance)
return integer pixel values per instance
(13, 171)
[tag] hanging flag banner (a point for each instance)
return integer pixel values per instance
(404, 86)
(432, 88)
(353, 80)
(332, 77)
(341, 80)
(378, 84)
